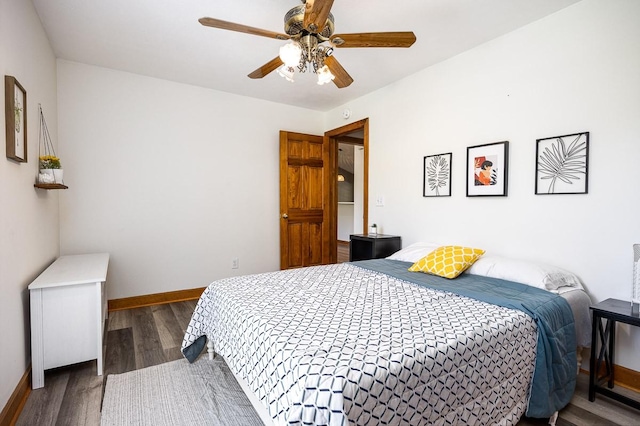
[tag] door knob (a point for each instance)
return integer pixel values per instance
(285, 216)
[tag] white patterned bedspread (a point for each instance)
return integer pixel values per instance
(339, 345)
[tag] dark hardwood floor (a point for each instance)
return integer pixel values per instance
(343, 251)
(135, 338)
(142, 337)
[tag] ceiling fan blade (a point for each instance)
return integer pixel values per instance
(266, 68)
(315, 14)
(391, 39)
(231, 26)
(342, 77)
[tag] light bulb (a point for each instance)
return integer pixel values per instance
(325, 76)
(290, 54)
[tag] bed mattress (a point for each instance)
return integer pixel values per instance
(342, 344)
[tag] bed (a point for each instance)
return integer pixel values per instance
(371, 343)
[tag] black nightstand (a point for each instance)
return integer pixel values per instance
(364, 247)
(611, 310)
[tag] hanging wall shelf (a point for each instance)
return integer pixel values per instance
(49, 170)
(50, 186)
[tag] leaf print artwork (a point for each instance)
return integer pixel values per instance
(437, 175)
(18, 114)
(562, 164)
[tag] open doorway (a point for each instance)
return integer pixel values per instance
(349, 145)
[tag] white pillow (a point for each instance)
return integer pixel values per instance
(414, 252)
(535, 274)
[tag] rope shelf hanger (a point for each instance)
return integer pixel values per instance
(49, 169)
(635, 293)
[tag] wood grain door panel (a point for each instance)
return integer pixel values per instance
(305, 224)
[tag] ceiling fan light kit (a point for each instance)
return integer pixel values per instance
(287, 73)
(308, 26)
(294, 20)
(324, 75)
(290, 54)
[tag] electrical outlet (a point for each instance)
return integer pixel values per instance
(380, 201)
(235, 263)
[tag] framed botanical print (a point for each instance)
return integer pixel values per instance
(437, 175)
(15, 103)
(487, 167)
(562, 164)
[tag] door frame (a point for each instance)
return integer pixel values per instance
(334, 136)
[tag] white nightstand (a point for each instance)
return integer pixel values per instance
(68, 310)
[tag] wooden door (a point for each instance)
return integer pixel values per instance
(305, 196)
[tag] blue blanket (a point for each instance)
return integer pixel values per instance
(554, 377)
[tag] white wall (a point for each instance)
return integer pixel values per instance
(574, 71)
(345, 221)
(28, 217)
(358, 190)
(351, 216)
(172, 180)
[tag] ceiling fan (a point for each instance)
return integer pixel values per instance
(309, 26)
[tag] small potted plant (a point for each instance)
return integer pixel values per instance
(50, 169)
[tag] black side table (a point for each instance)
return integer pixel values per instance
(373, 246)
(611, 311)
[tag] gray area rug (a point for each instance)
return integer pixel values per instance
(177, 393)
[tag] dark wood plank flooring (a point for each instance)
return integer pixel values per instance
(135, 338)
(143, 337)
(343, 251)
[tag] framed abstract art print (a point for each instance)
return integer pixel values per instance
(487, 167)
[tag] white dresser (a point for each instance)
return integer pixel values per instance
(68, 311)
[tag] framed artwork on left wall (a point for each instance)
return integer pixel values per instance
(15, 105)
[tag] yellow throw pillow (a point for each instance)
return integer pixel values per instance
(447, 261)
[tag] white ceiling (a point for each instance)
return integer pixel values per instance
(163, 39)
